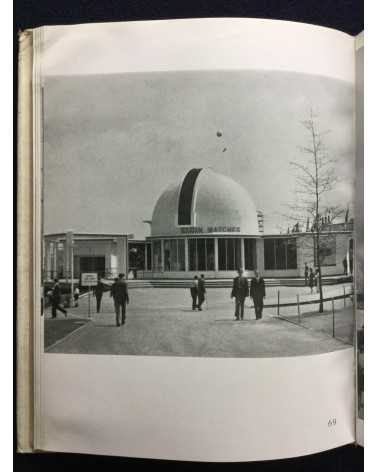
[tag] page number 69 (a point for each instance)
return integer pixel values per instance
(331, 422)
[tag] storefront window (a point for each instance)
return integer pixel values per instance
(174, 255)
(210, 260)
(229, 257)
(156, 255)
(180, 254)
(222, 254)
(281, 245)
(148, 248)
(201, 254)
(280, 254)
(250, 254)
(291, 254)
(192, 246)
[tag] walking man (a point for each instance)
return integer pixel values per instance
(201, 291)
(239, 292)
(194, 292)
(258, 294)
(121, 297)
(55, 300)
(98, 291)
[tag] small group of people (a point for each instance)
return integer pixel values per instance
(241, 289)
(198, 292)
(118, 292)
(311, 277)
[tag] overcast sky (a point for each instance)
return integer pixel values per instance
(114, 142)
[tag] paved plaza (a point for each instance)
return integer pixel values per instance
(160, 322)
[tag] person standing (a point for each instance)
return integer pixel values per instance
(194, 292)
(257, 293)
(98, 290)
(201, 291)
(316, 280)
(55, 300)
(120, 297)
(306, 274)
(239, 292)
(311, 279)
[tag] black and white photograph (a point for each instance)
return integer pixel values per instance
(199, 213)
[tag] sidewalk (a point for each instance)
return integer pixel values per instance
(161, 322)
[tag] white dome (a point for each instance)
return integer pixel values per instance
(204, 202)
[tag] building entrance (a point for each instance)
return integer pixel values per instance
(92, 264)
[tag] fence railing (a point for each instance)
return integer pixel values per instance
(307, 319)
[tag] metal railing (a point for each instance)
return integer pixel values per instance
(307, 319)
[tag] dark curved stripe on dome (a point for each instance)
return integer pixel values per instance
(186, 197)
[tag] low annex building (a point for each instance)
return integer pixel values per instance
(205, 222)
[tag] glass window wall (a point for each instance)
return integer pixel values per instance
(156, 255)
(201, 254)
(280, 254)
(229, 253)
(250, 254)
(174, 255)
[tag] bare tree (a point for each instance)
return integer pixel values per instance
(315, 177)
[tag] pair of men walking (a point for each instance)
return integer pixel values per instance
(241, 290)
(197, 292)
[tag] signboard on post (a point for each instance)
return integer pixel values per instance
(89, 279)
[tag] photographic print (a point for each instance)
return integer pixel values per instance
(198, 213)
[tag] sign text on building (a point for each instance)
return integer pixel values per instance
(209, 229)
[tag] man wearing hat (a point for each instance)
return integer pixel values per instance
(121, 297)
(239, 292)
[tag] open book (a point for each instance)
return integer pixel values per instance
(190, 239)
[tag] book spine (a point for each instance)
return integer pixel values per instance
(24, 350)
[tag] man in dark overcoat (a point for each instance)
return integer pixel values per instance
(239, 292)
(201, 291)
(121, 297)
(257, 293)
(98, 291)
(55, 300)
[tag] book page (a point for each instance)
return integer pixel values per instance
(360, 235)
(197, 299)
(25, 403)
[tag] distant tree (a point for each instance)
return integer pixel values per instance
(315, 177)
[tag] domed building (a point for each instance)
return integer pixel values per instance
(208, 223)
(205, 222)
